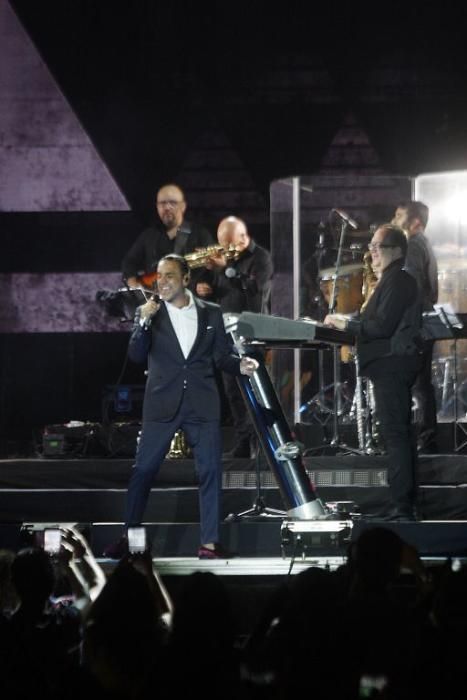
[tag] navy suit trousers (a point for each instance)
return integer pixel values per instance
(204, 437)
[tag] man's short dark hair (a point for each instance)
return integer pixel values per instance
(180, 260)
(395, 236)
(416, 210)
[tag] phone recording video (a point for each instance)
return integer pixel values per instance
(52, 540)
(136, 539)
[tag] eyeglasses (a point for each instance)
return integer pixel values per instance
(169, 203)
(378, 246)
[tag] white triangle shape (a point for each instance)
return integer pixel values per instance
(47, 159)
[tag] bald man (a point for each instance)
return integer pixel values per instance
(242, 284)
(171, 233)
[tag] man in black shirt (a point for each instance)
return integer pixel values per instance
(421, 262)
(240, 284)
(243, 283)
(388, 334)
(170, 234)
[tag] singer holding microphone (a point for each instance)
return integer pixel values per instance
(183, 339)
(243, 284)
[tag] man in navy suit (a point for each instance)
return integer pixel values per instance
(183, 339)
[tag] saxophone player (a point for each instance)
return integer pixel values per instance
(388, 342)
(243, 284)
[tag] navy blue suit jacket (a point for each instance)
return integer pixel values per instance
(171, 376)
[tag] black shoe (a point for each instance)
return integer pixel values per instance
(396, 515)
(219, 552)
(118, 549)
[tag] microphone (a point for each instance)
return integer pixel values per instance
(232, 273)
(345, 217)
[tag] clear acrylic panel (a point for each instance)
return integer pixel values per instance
(306, 236)
(446, 196)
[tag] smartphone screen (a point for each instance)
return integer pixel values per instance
(136, 539)
(52, 540)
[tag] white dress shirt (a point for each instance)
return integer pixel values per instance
(184, 322)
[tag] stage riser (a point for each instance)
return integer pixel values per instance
(338, 470)
(181, 505)
(259, 538)
(248, 538)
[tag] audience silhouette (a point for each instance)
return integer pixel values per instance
(380, 626)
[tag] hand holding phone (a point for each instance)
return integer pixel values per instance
(137, 541)
(52, 540)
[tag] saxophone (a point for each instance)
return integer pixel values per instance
(201, 256)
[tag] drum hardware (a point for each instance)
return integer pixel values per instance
(319, 409)
(363, 410)
(179, 447)
(333, 307)
(259, 508)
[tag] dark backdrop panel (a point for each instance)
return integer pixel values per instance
(66, 242)
(54, 378)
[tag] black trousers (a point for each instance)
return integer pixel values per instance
(424, 393)
(393, 399)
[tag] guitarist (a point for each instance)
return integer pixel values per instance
(171, 233)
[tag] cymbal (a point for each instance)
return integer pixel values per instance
(357, 233)
(352, 251)
(344, 271)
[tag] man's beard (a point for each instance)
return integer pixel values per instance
(169, 220)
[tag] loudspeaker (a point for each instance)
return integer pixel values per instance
(120, 438)
(121, 402)
(74, 439)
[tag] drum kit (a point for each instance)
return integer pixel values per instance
(345, 288)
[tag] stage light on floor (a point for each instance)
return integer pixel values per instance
(303, 538)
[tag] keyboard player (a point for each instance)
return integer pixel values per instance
(388, 347)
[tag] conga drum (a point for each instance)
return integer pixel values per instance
(349, 294)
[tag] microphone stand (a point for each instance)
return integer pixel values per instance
(320, 252)
(337, 398)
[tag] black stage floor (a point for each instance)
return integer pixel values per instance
(91, 491)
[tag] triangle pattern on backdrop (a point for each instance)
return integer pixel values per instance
(51, 162)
